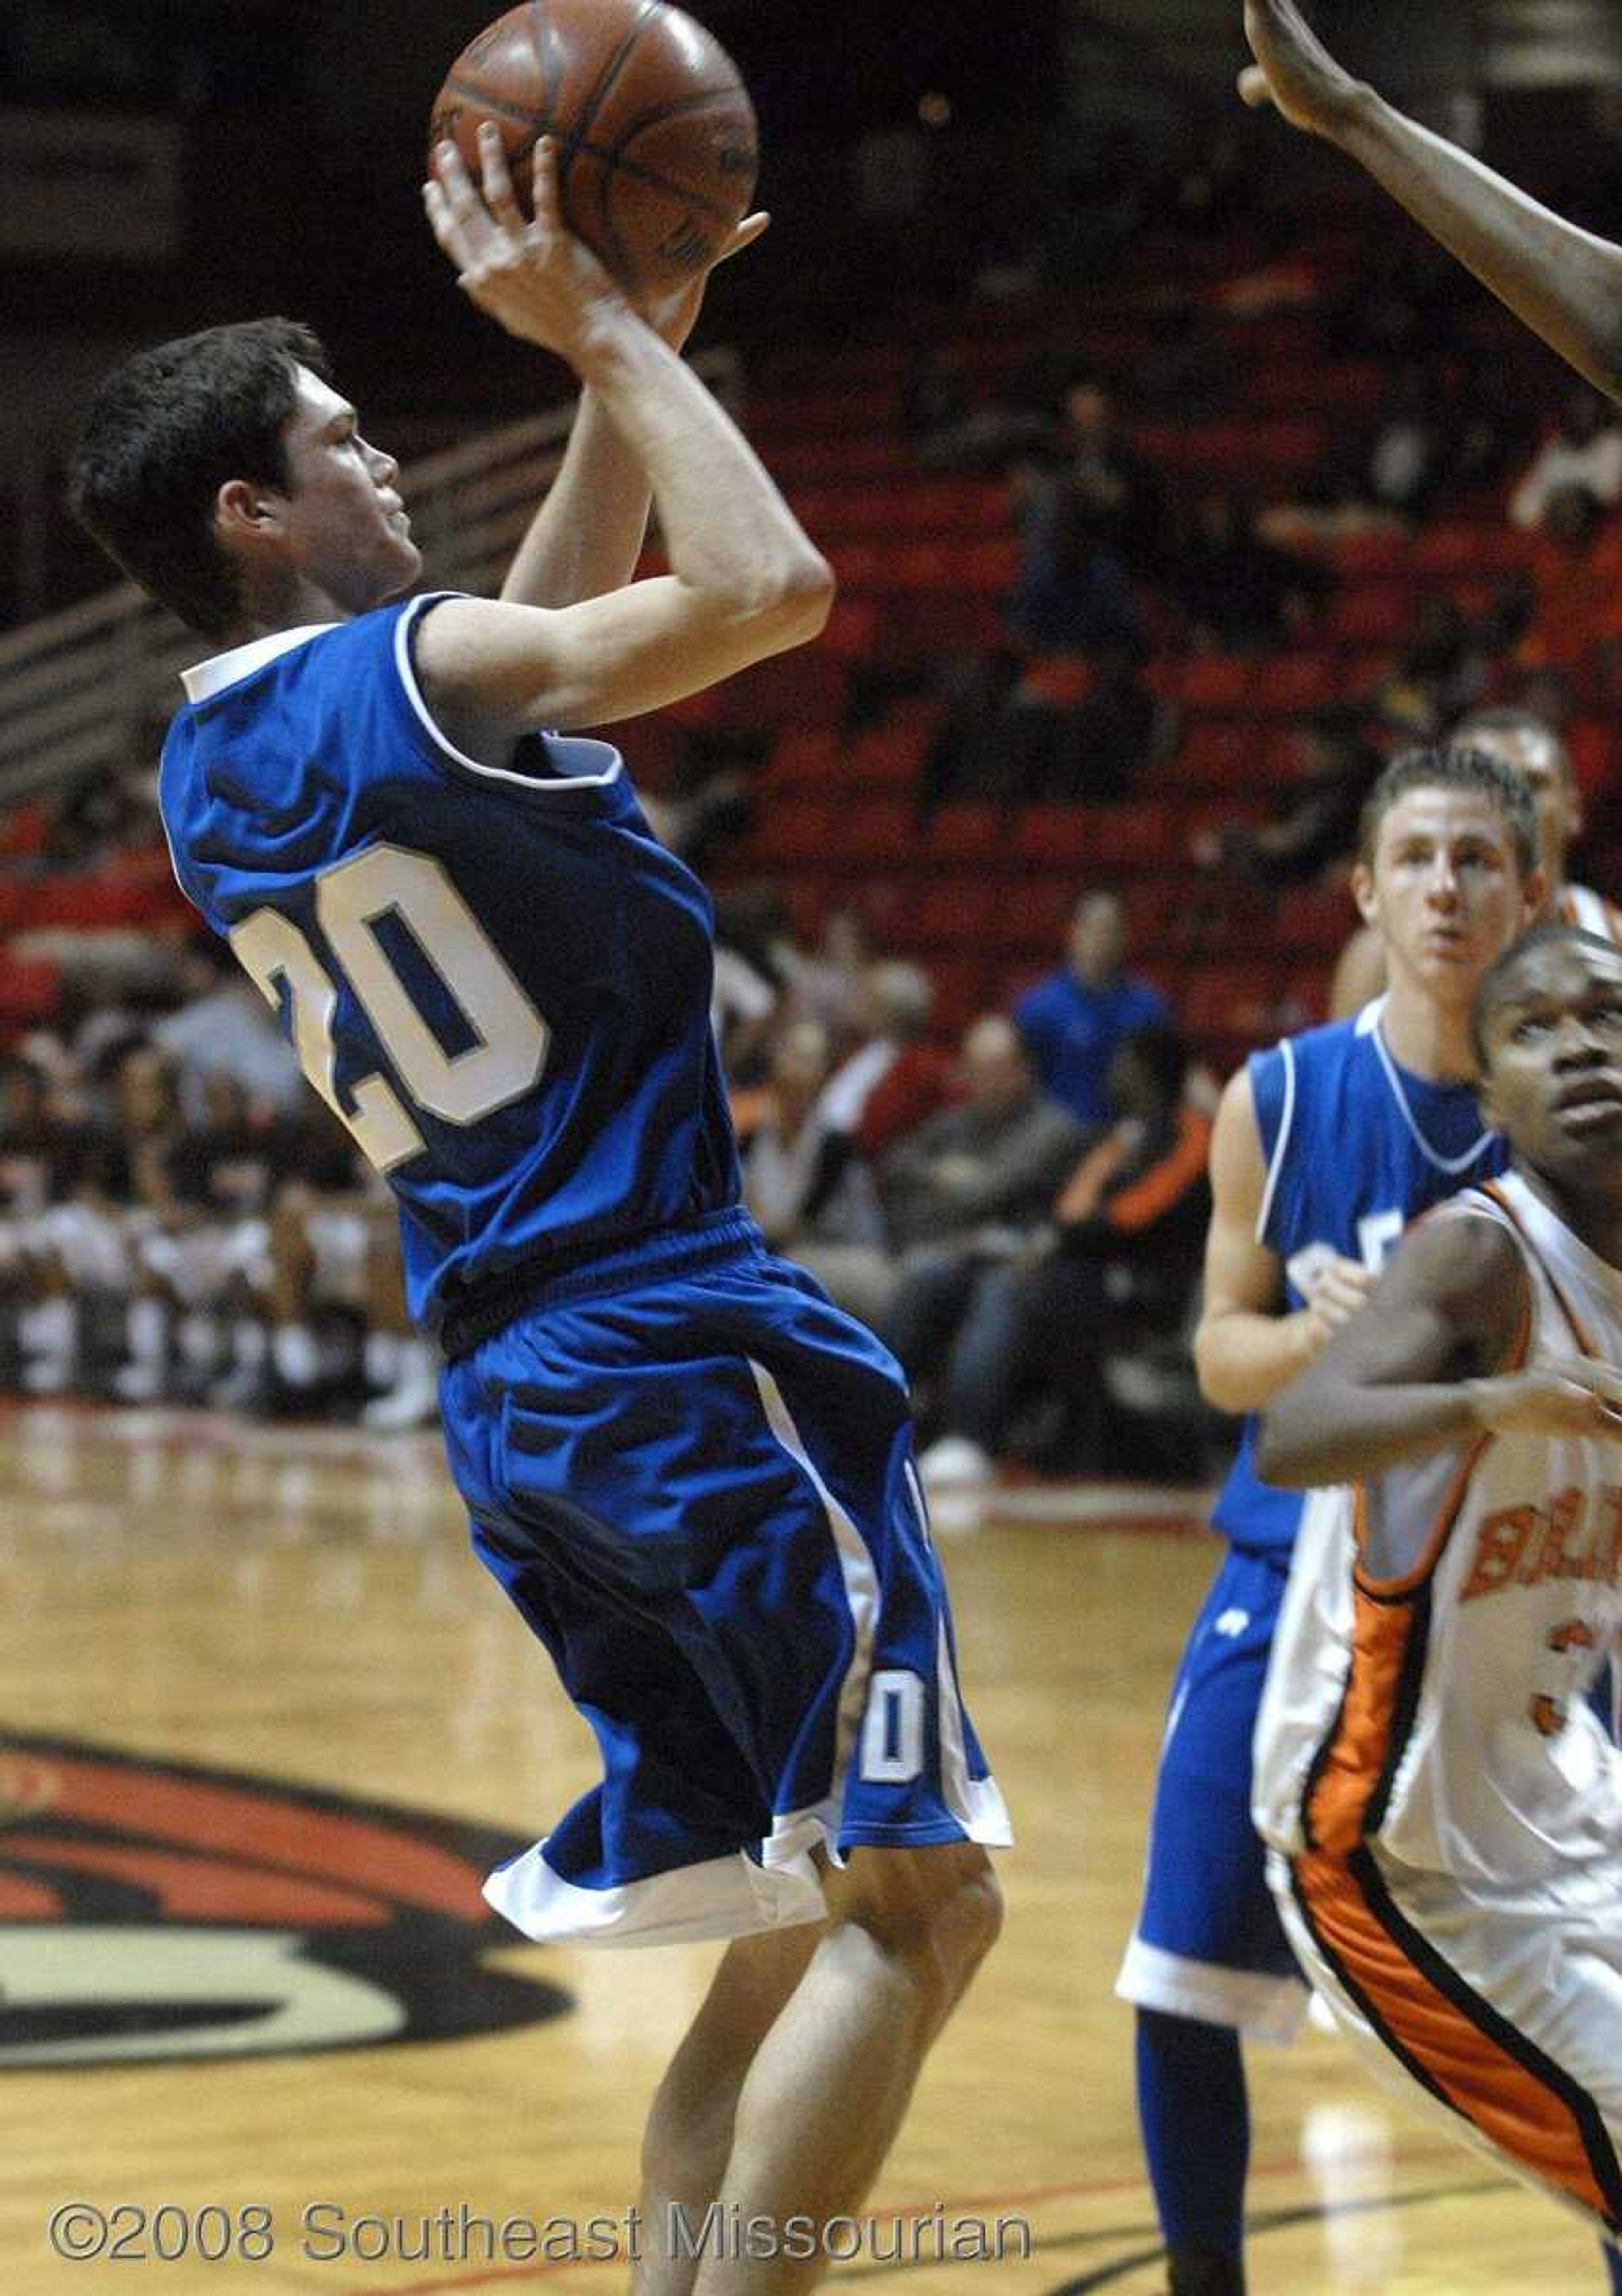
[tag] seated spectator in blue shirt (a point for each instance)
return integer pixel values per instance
(1072, 1023)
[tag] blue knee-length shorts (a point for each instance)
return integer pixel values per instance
(693, 1475)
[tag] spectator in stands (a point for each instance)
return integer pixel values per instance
(39, 1156)
(751, 972)
(1446, 663)
(708, 800)
(802, 1178)
(124, 1184)
(965, 1193)
(1316, 824)
(1116, 1264)
(896, 1078)
(1585, 451)
(200, 1265)
(1073, 592)
(1387, 473)
(1071, 1023)
(1113, 497)
(1238, 592)
(226, 1029)
(954, 427)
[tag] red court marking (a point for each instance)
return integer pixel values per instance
(977, 2204)
(23, 1900)
(309, 1842)
(206, 1889)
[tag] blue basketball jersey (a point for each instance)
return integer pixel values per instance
(1356, 1148)
(498, 978)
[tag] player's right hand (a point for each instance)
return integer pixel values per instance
(1293, 70)
(537, 279)
(1340, 1290)
(1575, 1398)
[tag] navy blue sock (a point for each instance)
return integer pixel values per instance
(1196, 2122)
(1613, 2265)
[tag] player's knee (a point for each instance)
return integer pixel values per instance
(940, 1909)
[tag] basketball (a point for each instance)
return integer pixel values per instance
(657, 152)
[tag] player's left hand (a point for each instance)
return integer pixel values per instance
(1294, 71)
(674, 313)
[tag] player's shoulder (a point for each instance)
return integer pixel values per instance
(1330, 1049)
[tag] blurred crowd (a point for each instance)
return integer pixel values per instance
(1017, 1206)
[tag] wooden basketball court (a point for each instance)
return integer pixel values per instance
(298, 1609)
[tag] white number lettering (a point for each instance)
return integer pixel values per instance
(390, 879)
(892, 1729)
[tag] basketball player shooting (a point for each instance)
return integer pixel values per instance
(689, 1471)
(1444, 1810)
(1565, 283)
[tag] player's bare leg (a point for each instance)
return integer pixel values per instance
(823, 2094)
(689, 2138)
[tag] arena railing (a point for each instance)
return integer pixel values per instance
(88, 689)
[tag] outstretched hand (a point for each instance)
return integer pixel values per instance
(536, 279)
(1293, 70)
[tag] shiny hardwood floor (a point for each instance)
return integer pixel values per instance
(299, 1609)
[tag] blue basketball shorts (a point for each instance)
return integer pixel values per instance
(693, 1475)
(1208, 1943)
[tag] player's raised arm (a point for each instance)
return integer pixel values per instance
(1247, 1348)
(587, 536)
(1565, 283)
(745, 581)
(1423, 1370)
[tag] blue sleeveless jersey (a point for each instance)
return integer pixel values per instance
(1356, 1148)
(498, 978)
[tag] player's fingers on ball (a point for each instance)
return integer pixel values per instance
(544, 179)
(499, 195)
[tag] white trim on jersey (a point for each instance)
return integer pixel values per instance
(1452, 1165)
(1279, 1146)
(209, 677)
(861, 1594)
(542, 784)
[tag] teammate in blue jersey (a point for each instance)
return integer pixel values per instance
(690, 1471)
(1324, 1149)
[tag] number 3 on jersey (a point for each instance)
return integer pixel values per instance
(511, 1038)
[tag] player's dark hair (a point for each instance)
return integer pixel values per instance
(164, 431)
(1455, 766)
(1509, 717)
(1500, 976)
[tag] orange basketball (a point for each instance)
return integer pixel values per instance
(657, 151)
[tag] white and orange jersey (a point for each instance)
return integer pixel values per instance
(1590, 911)
(1443, 1716)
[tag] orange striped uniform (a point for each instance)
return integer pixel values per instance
(1443, 1808)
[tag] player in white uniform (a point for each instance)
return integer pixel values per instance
(1533, 747)
(1444, 1808)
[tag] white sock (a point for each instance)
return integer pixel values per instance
(199, 1339)
(294, 1353)
(381, 1359)
(49, 1327)
(250, 1343)
(148, 1327)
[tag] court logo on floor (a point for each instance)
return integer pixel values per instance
(157, 1910)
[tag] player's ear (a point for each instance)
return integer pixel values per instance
(1363, 893)
(242, 512)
